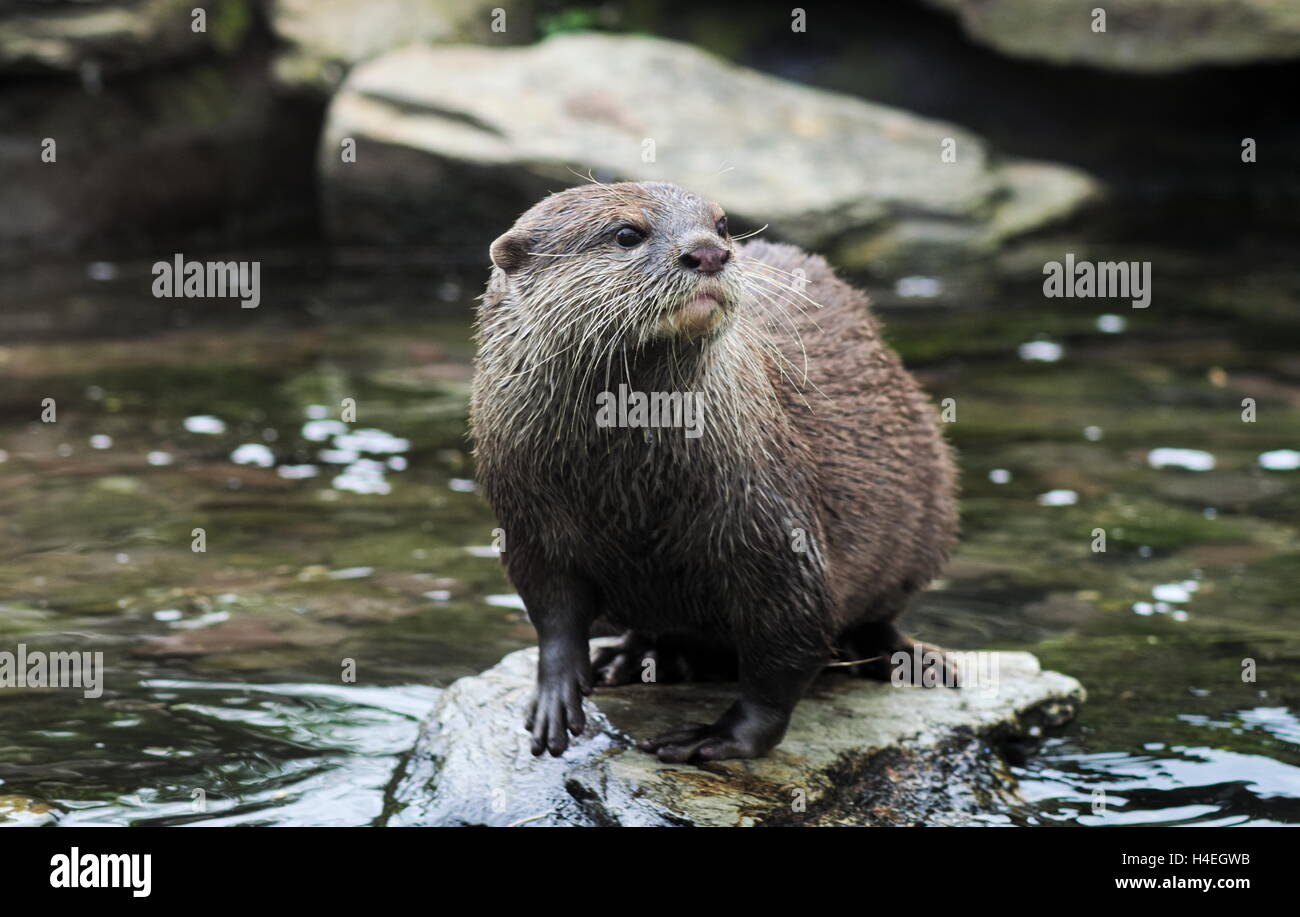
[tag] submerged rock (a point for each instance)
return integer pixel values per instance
(857, 752)
(1142, 36)
(22, 812)
(453, 142)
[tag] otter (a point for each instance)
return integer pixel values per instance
(817, 496)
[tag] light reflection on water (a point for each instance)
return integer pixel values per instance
(1122, 789)
(290, 754)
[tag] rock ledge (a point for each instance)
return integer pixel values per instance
(857, 752)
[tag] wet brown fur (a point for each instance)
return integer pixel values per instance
(670, 535)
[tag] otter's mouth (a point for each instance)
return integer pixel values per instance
(697, 314)
(702, 308)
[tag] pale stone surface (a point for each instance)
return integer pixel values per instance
(1142, 36)
(326, 37)
(858, 752)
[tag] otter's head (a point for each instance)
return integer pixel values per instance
(636, 261)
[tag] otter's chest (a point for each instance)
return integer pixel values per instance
(627, 499)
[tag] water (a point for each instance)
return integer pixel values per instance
(363, 546)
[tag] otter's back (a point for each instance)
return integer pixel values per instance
(885, 475)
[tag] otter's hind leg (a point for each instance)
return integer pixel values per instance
(752, 726)
(667, 658)
(877, 644)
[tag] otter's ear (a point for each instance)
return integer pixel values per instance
(512, 251)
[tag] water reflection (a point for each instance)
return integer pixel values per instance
(1169, 786)
(329, 540)
(239, 754)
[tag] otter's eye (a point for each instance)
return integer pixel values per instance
(629, 237)
(722, 226)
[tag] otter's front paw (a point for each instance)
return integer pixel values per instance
(554, 711)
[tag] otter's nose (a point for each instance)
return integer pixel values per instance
(707, 259)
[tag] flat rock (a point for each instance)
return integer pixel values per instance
(1142, 36)
(858, 752)
(453, 142)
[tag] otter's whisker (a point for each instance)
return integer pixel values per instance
(749, 235)
(789, 281)
(764, 298)
(780, 292)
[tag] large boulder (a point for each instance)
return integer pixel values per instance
(324, 38)
(1142, 36)
(453, 142)
(857, 752)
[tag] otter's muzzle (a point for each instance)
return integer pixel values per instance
(707, 259)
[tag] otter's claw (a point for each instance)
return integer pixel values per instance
(554, 711)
